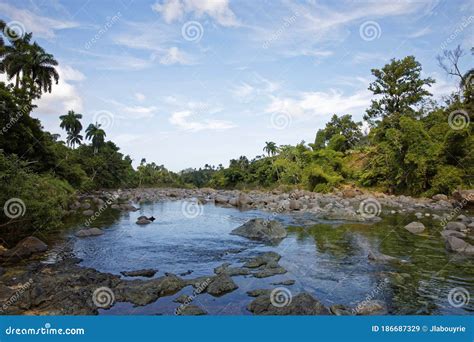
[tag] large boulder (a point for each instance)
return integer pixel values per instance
(455, 244)
(301, 304)
(464, 196)
(89, 232)
(26, 247)
(262, 230)
(244, 199)
(415, 227)
(440, 197)
(458, 226)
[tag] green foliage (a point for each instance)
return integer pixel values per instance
(45, 197)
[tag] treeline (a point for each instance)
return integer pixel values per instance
(415, 145)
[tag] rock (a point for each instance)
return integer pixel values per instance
(231, 271)
(88, 212)
(295, 204)
(26, 247)
(340, 310)
(455, 244)
(148, 272)
(288, 282)
(183, 299)
(458, 226)
(220, 285)
(351, 193)
(381, 257)
(440, 197)
(464, 196)
(221, 199)
(446, 233)
(415, 227)
(244, 199)
(143, 221)
(263, 259)
(143, 292)
(269, 270)
(259, 292)
(301, 304)
(192, 310)
(262, 230)
(371, 307)
(89, 232)
(188, 272)
(128, 207)
(86, 205)
(2, 250)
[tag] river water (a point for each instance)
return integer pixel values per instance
(327, 259)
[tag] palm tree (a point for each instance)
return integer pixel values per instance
(28, 63)
(72, 124)
(41, 68)
(74, 138)
(96, 134)
(271, 148)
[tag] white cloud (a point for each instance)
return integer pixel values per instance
(311, 104)
(252, 86)
(183, 120)
(175, 56)
(132, 112)
(64, 95)
(140, 97)
(219, 10)
(41, 26)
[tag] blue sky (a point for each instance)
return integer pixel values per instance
(189, 82)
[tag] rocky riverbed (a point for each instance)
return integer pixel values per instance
(278, 254)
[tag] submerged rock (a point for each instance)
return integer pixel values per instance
(263, 259)
(262, 230)
(140, 273)
(415, 227)
(192, 310)
(455, 244)
(301, 304)
(379, 257)
(220, 285)
(89, 232)
(143, 221)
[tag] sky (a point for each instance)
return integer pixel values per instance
(189, 82)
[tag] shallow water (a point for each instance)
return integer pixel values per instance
(327, 259)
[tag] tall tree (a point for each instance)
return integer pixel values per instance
(399, 88)
(271, 148)
(72, 124)
(96, 135)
